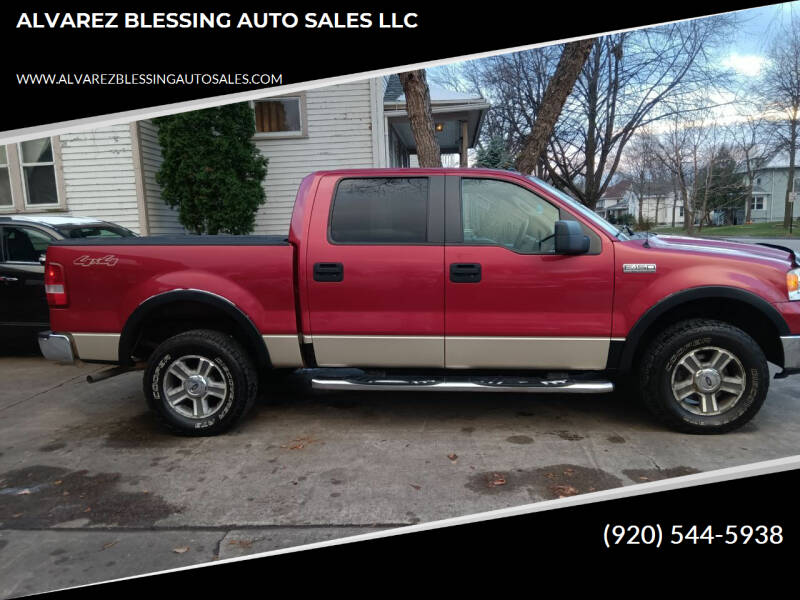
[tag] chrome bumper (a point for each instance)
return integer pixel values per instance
(791, 351)
(56, 346)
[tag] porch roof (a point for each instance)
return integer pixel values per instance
(449, 110)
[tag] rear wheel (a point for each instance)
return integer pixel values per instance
(704, 376)
(200, 382)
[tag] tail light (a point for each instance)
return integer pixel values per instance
(54, 284)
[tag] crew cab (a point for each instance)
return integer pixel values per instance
(431, 280)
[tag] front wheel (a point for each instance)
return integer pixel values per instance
(200, 382)
(704, 376)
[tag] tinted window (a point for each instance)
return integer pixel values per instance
(93, 231)
(23, 244)
(385, 210)
(503, 214)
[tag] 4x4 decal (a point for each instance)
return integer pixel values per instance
(109, 260)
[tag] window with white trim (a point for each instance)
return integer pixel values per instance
(280, 117)
(6, 199)
(38, 172)
(757, 203)
(30, 176)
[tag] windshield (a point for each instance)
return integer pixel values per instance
(585, 211)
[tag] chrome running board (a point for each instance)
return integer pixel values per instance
(468, 384)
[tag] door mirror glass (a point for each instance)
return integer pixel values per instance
(570, 239)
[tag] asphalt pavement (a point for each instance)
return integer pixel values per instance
(92, 489)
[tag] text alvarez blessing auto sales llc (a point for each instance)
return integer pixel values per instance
(215, 20)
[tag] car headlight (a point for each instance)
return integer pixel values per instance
(792, 281)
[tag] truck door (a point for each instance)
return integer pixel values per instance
(375, 271)
(511, 302)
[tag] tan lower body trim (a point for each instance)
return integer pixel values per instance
(96, 346)
(567, 353)
(284, 350)
(379, 351)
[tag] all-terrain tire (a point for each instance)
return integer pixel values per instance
(682, 360)
(200, 383)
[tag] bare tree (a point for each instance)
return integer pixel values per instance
(418, 107)
(631, 79)
(680, 150)
(559, 87)
(749, 145)
(711, 146)
(780, 85)
(641, 164)
(514, 84)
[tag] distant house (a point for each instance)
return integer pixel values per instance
(658, 203)
(109, 172)
(767, 202)
(616, 202)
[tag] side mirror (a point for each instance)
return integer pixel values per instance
(42, 258)
(570, 238)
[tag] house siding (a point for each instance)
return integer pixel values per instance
(99, 177)
(339, 136)
(161, 219)
(772, 188)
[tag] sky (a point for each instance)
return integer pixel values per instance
(759, 27)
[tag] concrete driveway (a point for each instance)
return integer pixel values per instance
(92, 489)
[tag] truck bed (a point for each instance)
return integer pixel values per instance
(107, 279)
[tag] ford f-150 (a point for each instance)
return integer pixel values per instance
(431, 280)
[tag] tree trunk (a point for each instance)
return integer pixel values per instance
(555, 95)
(641, 210)
(418, 107)
(704, 215)
(658, 201)
(748, 201)
(674, 199)
(788, 206)
(688, 215)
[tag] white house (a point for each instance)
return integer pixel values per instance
(767, 202)
(109, 172)
(616, 202)
(658, 203)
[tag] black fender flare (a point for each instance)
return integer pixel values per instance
(638, 331)
(245, 326)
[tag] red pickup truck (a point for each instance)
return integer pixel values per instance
(431, 280)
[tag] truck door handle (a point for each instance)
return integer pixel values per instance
(328, 272)
(465, 272)
(5, 279)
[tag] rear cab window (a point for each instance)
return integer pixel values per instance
(380, 210)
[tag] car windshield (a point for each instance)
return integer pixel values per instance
(94, 231)
(585, 211)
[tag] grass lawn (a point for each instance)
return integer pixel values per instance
(773, 229)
